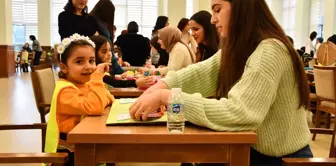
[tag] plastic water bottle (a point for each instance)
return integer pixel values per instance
(175, 122)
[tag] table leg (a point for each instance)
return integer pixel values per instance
(85, 155)
(240, 155)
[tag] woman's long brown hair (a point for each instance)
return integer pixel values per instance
(251, 22)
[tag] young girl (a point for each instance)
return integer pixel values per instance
(259, 81)
(79, 92)
(103, 54)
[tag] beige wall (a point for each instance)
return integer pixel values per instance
(302, 24)
(6, 32)
(329, 19)
(44, 22)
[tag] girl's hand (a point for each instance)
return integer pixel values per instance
(103, 68)
(144, 81)
(126, 64)
(146, 104)
(124, 75)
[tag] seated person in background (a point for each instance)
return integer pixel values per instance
(135, 48)
(162, 54)
(180, 55)
(79, 92)
(103, 55)
(187, 38)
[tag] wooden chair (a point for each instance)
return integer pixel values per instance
(43, 83)
(315, 161)
(325, 83)
(58, 159)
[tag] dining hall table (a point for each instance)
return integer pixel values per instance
(95, 142)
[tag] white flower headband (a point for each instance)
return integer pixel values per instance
(67, 41)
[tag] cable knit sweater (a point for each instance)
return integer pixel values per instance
(264, 100)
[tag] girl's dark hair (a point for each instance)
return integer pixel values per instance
(63, 58)
(182, 24)
(312, 35)
(132, 27)
(249, 32)
(332, 39)
(210, 32)
(160, 23)
(69, 7)
(32, 37)
(99, 41)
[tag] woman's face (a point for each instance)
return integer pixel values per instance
(79, 4)
(104, 53)
(221, 14)
(197, 31)
(186, 28)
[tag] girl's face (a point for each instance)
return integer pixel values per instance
(80, 65)
(79, 4)
(104, 53)
(221, 14)
(197, 31)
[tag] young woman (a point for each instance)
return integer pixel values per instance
(205, 35)
(180, 55)
(187, 38)
(262, 87)
(37, 49)
(75, 19)
(161, 22)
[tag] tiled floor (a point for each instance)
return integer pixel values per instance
(17, 106)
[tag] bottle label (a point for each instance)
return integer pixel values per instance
(176, 108)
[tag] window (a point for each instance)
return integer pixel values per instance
(316, 17)
(289, 12)
(269, 2)
(144, 12)
(189, 8)
(57, 8)
(24, 16)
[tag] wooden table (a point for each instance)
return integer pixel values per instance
(126, 92)
(98, 143)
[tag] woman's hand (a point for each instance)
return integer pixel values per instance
(159, 85)
(103, 67)
(144, 81)
(146, 104)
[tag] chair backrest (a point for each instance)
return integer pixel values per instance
(43, 83)
(325, 83)
(326, 54)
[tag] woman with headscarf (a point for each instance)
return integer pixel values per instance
(75, 19)
(180, 55)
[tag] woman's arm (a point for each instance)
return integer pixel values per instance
(201, 77)
(119, 83)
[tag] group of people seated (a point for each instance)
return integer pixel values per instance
(252, 85)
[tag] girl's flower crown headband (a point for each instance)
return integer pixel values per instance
(67, 41)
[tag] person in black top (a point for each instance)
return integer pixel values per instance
(75, 19)
(135, 48)
(103, 54)
(161, 22)
(205, 34)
